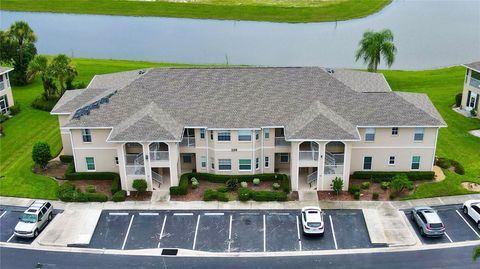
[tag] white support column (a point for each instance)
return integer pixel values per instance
(435, 148)
(294, 157)
(253, 163)
(321, 166)
(174, 156)
(148, 169)
(207, 137)
(121, 167)
(346, 164)
(262, 154)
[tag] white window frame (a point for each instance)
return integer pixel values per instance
(369, 131)
(419, 162)
(244, 133)
(266, 162)
(390, 159)
(222, 133)
(94, 165)
(419, 131)
(395, 131)
(224, 160)
(87, 133)
(266, 133)
(203, 161)
(284, 154)
(371, 163)
(239, 165)
(202, 133)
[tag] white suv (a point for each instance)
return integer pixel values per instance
(472, 209)
(34, 219)
(312, 221)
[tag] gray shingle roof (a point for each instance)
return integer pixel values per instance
(4, 69)
(475, 66)
(362, 81)
(308, 101)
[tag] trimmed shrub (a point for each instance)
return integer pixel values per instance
(244, 184)
(222, 189)
(66, 159)
(458, 99)
(211, 195)
(264, 196)
(194, 183)
(375, 195)
(46, 105)
(400, 182)
(182, 188)
(244, 194)
(14, 110)
(90, 189)
(65, 191)
(116, 184)
(443, 163)
(384, 185)
(70, 174)
(232, 184)
(119, 196)
(353, 189)
(95, 197)
(365, 185)
(256, 181)
(337, 185)
(70, 170)
(222, 197)
(41, 153)
(140, 185)
(458, 167)
(356, 195)
(387, 176)
(276, 186)
(68, 193)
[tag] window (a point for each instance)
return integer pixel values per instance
(224, 136)
(256, 163)
(267, 162)
(419, 134)
(244, 135)
(2, 86)
(116, 160)
(391, 160)
(202, 133)
(187, 158)
(395, 131)
(415, 162)
(244, 164)
(90, 163)
(3, 104)
(203, 161)
(266, 133)
(224, 164)
(86, 135)
(367, 163)
(370, 134)
(284, 158)
(211, 135)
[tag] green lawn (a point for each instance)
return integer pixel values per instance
(454, 142)
(254, 10)
(31, 125)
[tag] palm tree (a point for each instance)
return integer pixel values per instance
(38, 66)
(373, 46)
(62, 69)
(21, 33)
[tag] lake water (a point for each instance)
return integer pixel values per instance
(428, 34)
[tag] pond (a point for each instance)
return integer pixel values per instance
(428, 34)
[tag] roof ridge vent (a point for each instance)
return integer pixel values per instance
(86, 109)
(330, 70)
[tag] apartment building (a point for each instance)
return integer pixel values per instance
(311, 123)
(471, 87)
(6, 96)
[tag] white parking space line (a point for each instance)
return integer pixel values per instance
(280, 214)
(196, 231)
(3, 214)
(230, 233)
(161, 232)
(249, 213)
(298, 235)
(148, 214)
(333, 232)
(118, 214)
(128, 231)
(214, 214)
(448, 237)
(10, 238)
(460, 214)
(183, 214)
(264, 234)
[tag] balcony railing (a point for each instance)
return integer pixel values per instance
(280, 141)
(333, 170)
(308, 155)
(2, 85)
(188, 142)
(159, 155)
(135, 169)
(474, 82)
(134, 159)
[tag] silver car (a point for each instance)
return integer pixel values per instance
(428, 221)
(312, 221)
(34, 219)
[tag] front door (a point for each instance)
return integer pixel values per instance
(472, 101)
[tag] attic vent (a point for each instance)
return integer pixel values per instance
(141, 72)
(330, 70)
(86, 109)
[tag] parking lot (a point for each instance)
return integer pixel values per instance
(227, 231)
(458, 226)
(8, 219)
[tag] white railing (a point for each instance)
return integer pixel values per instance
(329, 158)
(280, 141)
(134, 159)
(308, 155)
(157, 178)
(135, 169)
(333, 170)
(312, 178)
(474, 82)
(2, 85)
(188, 142)
(159, 155)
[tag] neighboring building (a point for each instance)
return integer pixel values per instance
(471, 87)
(6, 96)
(311, 123)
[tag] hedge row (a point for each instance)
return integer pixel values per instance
(70, 174)
(387, 176)
(182, 187)
(211, 195)
(245, 194)
(66, 158)
(447, 163)
(68, 193)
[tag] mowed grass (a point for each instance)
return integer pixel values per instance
(454, 142)
(259, 10)
(31, 125)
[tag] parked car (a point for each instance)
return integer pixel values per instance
(34, 219)
(428, 221)
(472, 209)
(312, 221)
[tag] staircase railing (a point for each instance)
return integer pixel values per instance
(157, 178)
(329, 158)
(312, 178)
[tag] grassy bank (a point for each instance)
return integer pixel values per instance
(31, 125)
(266, 10)
(454, 142)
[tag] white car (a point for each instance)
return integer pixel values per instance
(34, 219)
(312, 221)
(472, 209)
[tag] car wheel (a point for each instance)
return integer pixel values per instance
(35, 233)
(50, 216)
(465, 210)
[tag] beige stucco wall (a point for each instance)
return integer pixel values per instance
(7, 91)
(466, 88)
(65, 135)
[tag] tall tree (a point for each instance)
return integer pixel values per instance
(39, 66)
(374, 46)
(62, 69)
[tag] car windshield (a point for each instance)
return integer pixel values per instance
(28, 218)
(436, 225)
(314, 224)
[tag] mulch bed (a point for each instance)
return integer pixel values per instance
(55, 169)
(134, 196)
(103, 186)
